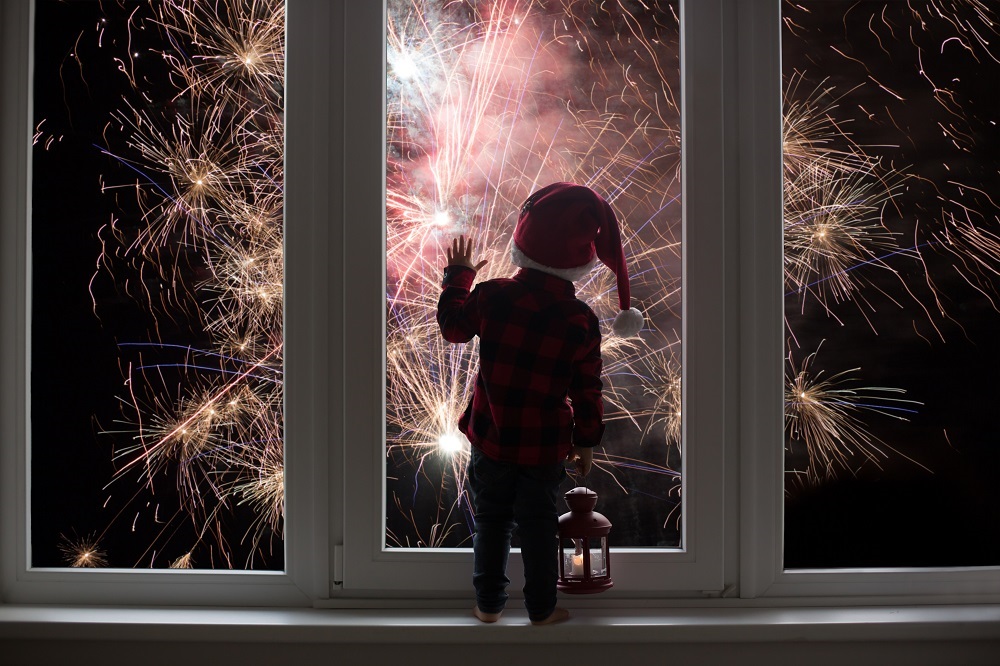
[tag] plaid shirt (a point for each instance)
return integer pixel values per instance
(538, 389)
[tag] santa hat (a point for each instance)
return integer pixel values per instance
(564, 229)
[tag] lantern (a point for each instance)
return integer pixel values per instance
(584, 558)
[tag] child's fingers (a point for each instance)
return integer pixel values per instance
(461, 252)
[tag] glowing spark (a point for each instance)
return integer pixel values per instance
(405, 67)
(83, 552)
(451, 443)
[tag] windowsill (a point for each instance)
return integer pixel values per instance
(454, 626)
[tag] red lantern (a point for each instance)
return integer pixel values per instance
(584, 558)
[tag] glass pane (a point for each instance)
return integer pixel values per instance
(487, 103)
(891, 262)
(156, 365)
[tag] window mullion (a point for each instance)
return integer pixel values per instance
(313, 143)
(15, 133)
(760, 213)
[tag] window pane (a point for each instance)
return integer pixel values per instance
(156, 382)
(488, 102)
(891, 260)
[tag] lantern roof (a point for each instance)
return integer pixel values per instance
(582, 520)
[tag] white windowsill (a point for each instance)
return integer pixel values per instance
(457, 626)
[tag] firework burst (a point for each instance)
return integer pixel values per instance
(825, 414)
(83, 553)
(859, 228)
(204, 401)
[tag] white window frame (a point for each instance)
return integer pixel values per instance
(731, 91)
(762, 362)
(698, 565)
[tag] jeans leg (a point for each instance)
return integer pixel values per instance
(537, 516)
(493, 486)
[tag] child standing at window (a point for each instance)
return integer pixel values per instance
(537, 398)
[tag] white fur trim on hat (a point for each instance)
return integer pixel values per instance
(521, 260)
(628, 323)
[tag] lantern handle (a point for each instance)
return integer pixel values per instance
(578, 476)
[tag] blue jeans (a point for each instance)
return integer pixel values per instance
(505, 496)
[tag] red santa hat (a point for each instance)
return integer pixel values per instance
(564, 229)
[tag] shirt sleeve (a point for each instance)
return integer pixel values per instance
(585, 393)
(457, 313)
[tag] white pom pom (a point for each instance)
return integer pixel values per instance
(628, 323)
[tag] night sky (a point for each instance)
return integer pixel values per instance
(78, 418)
(75, 370)
(900, 515)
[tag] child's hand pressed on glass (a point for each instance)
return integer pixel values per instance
(460, 254)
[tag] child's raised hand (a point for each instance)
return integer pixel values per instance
(460, 254)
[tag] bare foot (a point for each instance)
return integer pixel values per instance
(558, 615)
(485, 617)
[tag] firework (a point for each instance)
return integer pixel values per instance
(483, 109)
(833, 228)
(825, 413)
(83, 552)
(812, 137)
(204, 256)
(486, 103)
(860, 222)
(185, 561)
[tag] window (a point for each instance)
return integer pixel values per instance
(890, 285)
(223, 159)
(776, 568)
(732, 313)
(696, 559)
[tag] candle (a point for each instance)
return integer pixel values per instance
(577, 569)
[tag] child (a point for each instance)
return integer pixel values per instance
(537, 398)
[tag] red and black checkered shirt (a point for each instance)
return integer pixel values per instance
(538, 390)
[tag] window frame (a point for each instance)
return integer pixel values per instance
(762, 574)
(334, 401)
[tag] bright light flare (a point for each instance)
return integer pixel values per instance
(452, 443)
